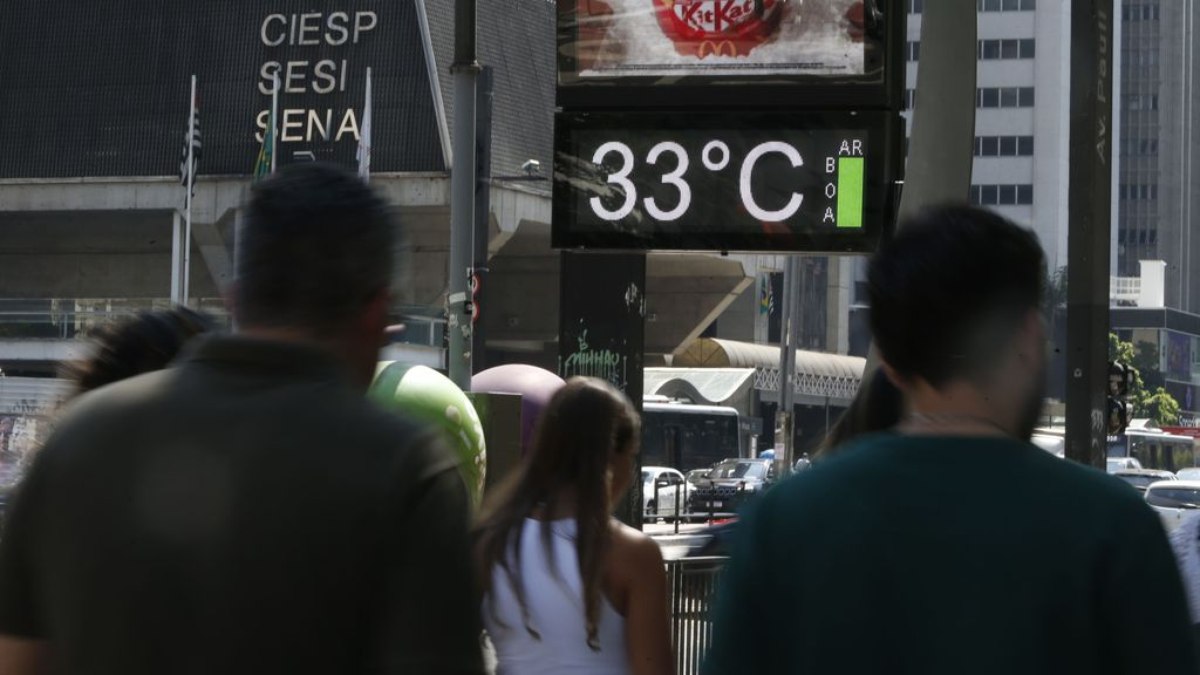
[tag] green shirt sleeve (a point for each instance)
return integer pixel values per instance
(739, 614)
(1146, 623)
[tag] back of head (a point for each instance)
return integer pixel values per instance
(317, 245)
(141, 344)
(950, 290)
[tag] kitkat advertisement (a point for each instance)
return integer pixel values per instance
(735, 38)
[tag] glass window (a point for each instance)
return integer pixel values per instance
(1010, 49)
(1008, 195)
(1008, 146)
(990, 195)
(1012, 5)
(1174, 498)
(975, 195)
(991, 5)
(1028, 5)
(1025, 96)
(1008, 97)
(1025, 146)
(990, 49)
(1027, 49)
(989, 97)
(991, 146)
(1024, 194)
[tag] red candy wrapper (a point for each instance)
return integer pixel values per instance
(704, 28)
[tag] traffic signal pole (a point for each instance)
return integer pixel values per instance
(1088, 242)
(462, 195)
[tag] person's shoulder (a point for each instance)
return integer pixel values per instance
(634, 550)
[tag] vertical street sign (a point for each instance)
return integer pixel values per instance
(1088, 243)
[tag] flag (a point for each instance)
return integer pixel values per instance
(262, 166)
(766, 297)
(364, 137)
(191, 139)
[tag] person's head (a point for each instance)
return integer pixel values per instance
(878, 406)
(315, 262)
(956, 313)
(140, 344)
(581, 462)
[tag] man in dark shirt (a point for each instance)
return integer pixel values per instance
(951, 545)
(248, 511)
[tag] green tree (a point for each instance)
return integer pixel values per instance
(1158, 404)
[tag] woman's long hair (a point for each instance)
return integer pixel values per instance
(582, 427)
(878, 406)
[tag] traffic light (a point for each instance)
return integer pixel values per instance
(1120, 378)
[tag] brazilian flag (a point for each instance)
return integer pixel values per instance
(262, 166)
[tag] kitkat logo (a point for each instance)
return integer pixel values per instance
(704, 28)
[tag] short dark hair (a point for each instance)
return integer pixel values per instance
(950, 289)
(140, 344)
(316, 244)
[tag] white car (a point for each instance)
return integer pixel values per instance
(1174, 500)
(1190, 473)
(1115, 464)
(660, 485)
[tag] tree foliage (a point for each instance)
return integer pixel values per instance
(1156, 404)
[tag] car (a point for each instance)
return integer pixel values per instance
(696, 476)
(662, 489)
(1116, 464)
(1174, 500)
(731, 483)
(1190, 473)
(1143, 478)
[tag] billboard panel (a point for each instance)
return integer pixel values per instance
(101, 88)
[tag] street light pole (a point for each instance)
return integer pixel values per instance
(462, 194)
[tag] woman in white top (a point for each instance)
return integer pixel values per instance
(569, 589)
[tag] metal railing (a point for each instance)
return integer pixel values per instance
(692, 583)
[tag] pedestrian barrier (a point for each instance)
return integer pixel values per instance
(692, 584)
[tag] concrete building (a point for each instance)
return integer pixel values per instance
(1158, 208)
(91, 138)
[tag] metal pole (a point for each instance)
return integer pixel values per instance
(191, 178)
(462, 193)
(1089, 199)
(794, 291)
(788, 331)
(483, 208)
(275, 118)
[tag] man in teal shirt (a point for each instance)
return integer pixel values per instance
(950, 545)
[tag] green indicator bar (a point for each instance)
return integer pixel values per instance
(850, 192)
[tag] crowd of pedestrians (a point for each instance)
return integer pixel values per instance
(232, 503)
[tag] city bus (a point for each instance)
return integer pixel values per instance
(1154, 449)
(686, 436)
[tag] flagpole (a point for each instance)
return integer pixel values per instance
(274, 118)
(187, 218)
(364, 139)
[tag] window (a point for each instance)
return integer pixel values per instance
(913, 51)
(1002, 195)
(991, 146)
(915, 6)
(1025, 146)
(1025, 195)
(989, 50)
(1008, 146)
(1026, 49)
(1006, 5)
(1004, 97)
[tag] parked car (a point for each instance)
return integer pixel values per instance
(1116, 464)
(731, 483)
(660, 485)
(1143, 478)
(1190, 473)
(1174, 500)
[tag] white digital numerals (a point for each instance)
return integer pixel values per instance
(715, 157)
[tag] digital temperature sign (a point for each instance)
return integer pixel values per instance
(810, 182)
